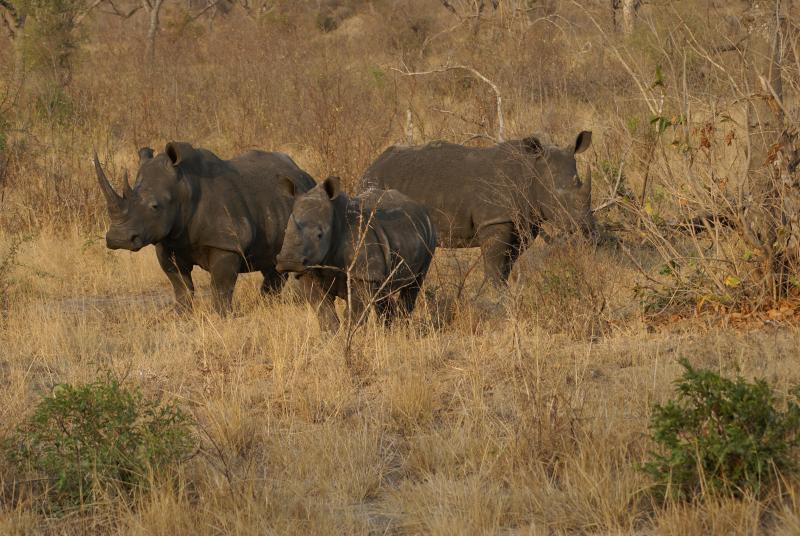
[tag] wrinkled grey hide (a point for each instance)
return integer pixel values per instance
(380, 242)
(226, 216)
(493, 197)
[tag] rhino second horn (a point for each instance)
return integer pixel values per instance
(112, 198)
(126, 186)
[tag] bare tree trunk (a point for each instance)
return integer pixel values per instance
(768, 216)
(153, 7)
(630, 9)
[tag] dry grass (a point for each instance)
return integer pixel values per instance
(526, 414)
(486, 424)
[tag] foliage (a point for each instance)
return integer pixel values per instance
(50, 37)
(722, 435)
(7, 264)
(99, 437)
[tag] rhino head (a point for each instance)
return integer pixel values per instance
(146, 213)
(309, 232)
(567, 199)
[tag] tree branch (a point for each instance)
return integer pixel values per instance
(124, 15)
(476, 74)
(11, 18)
(199, 14)
(88, 10)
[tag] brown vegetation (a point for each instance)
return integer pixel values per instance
(529, 414)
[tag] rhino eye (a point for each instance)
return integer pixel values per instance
(154, 206)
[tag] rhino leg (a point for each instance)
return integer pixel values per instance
(356, 310)
(273, 281)
(500, 248)
(408, 297)
(387, 310)
(322, 300)
(224, 267)
(179, 273)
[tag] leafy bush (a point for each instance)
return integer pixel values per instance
(722, 435)
(98, 437)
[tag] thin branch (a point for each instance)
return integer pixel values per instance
(88, 10)
(449, 7)
(11, 18)
(476, 74)
(612, 200)
(199, 14)
(123, 14)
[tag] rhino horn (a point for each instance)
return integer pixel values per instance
(126, 186)
(115, 202)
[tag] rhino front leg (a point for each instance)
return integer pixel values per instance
(179, 273)
(322, 300)
(273, 281)
(224, 267)
(500, 248)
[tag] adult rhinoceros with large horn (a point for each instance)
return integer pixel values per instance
(493, 197)
(226, 216)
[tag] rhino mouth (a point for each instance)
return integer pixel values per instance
(291, 265)
(134, 243)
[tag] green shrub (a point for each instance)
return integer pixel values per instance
(100, 437)
(722, 435)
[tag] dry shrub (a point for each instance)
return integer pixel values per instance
(564, 287)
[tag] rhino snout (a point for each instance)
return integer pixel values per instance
(286, 264)
(126, 240)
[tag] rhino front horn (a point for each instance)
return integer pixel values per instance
(115, 202)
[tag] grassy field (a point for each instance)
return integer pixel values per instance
(525, 412)
(496, 421)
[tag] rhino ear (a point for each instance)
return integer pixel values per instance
(332, 187)
(533, 145)
(286, 185)
(178, 151)
(583, 141)
(145, 154)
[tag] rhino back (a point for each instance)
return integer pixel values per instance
(240, 207)
(464, 188)
(400, 238)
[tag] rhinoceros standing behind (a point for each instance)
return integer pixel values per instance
(493, 197)
(226, 216)
(367, 247)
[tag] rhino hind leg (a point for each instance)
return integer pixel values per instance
(408, 298)
(408, 294)
(500, 246)
(387, 310)
(273, 281)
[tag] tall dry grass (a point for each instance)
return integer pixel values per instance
(524, 414)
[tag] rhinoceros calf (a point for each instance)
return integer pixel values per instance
(367, 247)
(226, 216)
(493, 197)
